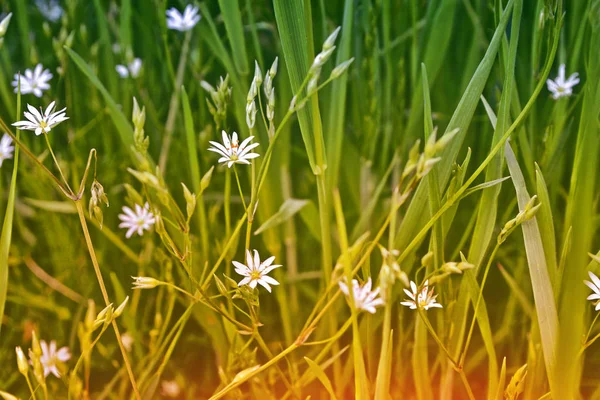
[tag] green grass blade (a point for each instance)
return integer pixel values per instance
(546, 224)
(230, 11)
(320, 374)
(120, 121)
(540, 277)
(7, 225)
(287, 210)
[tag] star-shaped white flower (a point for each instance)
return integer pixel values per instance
(132, 69)
(41, 122)
(139, 221)
(364, 298)
(35, 81)
(595, 286)
(425, 299)
(562, 87)
(51, 357)
(232, 152)
(255, 272)
(6, 148)
(50, 9)
(185, 22)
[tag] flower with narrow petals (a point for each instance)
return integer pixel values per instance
(6, 148)
(50, 9)
(41, 122)
(364, 297)
(595, 286)
(35, 81)
(185, 22)
(232, 151)
(424, 299)
(562, 87)
(132, 69)
(139, 221)
(170, 388)
(145, 282)
(255, 272)
(51, 357)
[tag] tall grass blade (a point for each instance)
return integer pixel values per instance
(230, 11)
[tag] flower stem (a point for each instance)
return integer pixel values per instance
(237, 178)
(56, 162)
(92, 252)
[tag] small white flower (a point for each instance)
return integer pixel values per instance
(170, 388)
(595, 286)
(51, 357)
(139, 221)
(41, 122)
(132, 69)
(562, 87)
(256, 272)
(232, 151)
(35, 81)
(50, 9)
(185, 22)
(424, 299)
(127, 341)
(6, 148)
(364, 298)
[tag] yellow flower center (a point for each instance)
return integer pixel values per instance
(255, 275)
(43, 125)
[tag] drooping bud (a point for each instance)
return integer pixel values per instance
(144, 282)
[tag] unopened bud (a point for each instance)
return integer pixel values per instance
(311, 88)
(7, 396)
(205, 181)
(321, 59)
(22, 363)
(251, 114)
(517, 384)
(121, 308)
(341, 68)
(293, 103)
(331, 39)
(4, 24)
(35, 344)
(190, 200)
(144, 282)
(257, 74)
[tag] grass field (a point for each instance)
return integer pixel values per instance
(293, 199)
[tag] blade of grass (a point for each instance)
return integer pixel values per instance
(7, 224)
(540, 278)
(230, 11)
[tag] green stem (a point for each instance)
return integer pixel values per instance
(92, 253)
(237, 178)
(56, 162)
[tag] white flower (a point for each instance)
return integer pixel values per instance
(132, 69)
(50, 9)
(127, 341)
(424, 299)
(364, 298)
(35, 81)
(42, 122)
(170, 388)
(232, 151)
(139, 221)
(6, 148)
(51, 357)
(595, 286)
(184, 22)
(256, 272)
(562, 87)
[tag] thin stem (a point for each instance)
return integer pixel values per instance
(56, 162)
(591, 327)
(92, 252)
(437, 338)
(174, 105)
(463, 377)
(30, 386)
(237, 178)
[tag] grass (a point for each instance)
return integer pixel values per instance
(417, 143)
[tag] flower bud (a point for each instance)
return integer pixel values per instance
(257, 74)
(7, 396)
(251, 114)
(4, 24)
(22, 363)
(144, 282)
(205, 181)
(121, 307)
(341, 68)
(190, 200)
(311, 88)
(35, 345)
(321, 59)
(331, 39)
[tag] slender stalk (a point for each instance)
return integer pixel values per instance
(237, 178)
(92, 252)
(174, 105)
(30, 386)
(56, 162)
